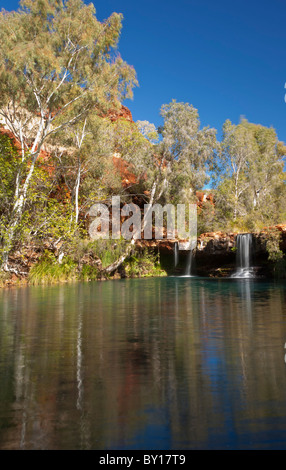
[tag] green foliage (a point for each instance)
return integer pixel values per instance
(273, 245)
(89, 273)
(206, 218)
(60, 48)
(108, 250)
(187, 150)
(48, 270)
(3, 278)
(8, 164)
(148, 130)
(58, 63)
(251, 182)
(275, 254)
(60, 75)
(143, 264)
(8, 170)
(137, 153)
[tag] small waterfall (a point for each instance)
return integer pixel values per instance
(176, 254)
(188, 271)
(244, 256)
(191, 259)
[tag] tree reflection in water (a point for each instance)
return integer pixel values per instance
(169, 363)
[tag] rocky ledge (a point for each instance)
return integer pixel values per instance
(215, 253)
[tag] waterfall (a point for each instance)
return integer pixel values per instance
(190, 259)
(188, 271)
(244, 256)
(244, 243)
(176, 254)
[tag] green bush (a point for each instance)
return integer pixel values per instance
(88, 273)
(108, 250)
(143, 264)
(275, 255)
(48, 270)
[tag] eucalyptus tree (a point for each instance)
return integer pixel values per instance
(58, 63)
(265, 169)
(187, 153)
(251, 169)
(171, 163)
(134, 145)
(87, 163)
(237, 151)
(175, 159)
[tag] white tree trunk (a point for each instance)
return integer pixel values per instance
(112, 267)
(77, 194)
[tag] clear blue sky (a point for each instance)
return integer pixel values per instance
(227, 58)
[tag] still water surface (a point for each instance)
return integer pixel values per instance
(164, 363)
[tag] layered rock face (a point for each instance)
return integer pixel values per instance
(215, 254)
(216, 242)
(122, 113)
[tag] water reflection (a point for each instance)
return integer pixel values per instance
(173, 363)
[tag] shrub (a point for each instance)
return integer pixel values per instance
(48, 270)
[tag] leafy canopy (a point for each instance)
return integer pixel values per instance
(57, 59)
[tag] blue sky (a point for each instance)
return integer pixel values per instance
(226, 58)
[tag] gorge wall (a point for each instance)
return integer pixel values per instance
(215, 253)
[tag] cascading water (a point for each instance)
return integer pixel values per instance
(176, 254)
(188, 271)
(244, 256)
(190, 259)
